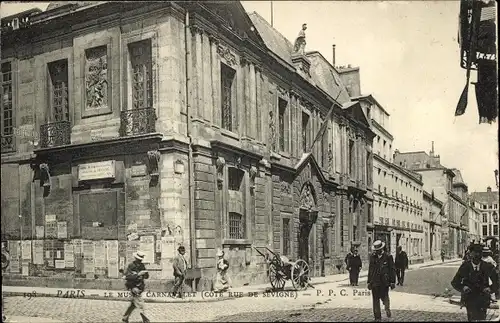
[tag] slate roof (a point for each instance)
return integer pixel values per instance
(273, 39)
(458, 179)
(55, 5)
(327, 78)
(323, 74)
(485, 197)
(417, 160)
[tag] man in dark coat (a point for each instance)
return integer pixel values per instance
(473, 281)
(354, 266)
(135, 275)
(180, 268)
(348, 257)
(381, 277)
(401, 264)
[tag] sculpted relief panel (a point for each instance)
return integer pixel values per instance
(96, 78)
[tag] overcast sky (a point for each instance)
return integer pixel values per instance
(409, 60)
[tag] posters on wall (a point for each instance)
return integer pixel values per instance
(88, 256)
(25, 269)
(26, 250)
(39, 231)
(62, 230)
(78, 246)
(69, 256)
(38, 252)
(51, 230)
(59, 263)
(14, 266)
(132, 247)
(14, 251)
(49, 252)
(167, 247)
(147, 245)
(100, 254)
(112, 257)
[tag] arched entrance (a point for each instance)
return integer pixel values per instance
(308, 214)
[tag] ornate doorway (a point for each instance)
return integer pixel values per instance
(308, 214)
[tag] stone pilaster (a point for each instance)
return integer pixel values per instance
(251, 78)
(198, 72)
(247, 123)
(216, 87)
(258, 103)
(207, 78)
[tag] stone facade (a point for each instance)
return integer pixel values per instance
(158, 135)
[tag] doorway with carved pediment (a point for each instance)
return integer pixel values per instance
(308, 214)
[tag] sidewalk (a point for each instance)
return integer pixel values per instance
(205, 296)
(27, 319)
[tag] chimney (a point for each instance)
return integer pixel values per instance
(488, 189)
(432, 150)
(333, 55)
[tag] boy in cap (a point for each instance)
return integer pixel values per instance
(381, 277)
(473, 281)
(135, 275)
(180, 267)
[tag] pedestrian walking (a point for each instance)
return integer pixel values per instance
(401, 264)
(348, 257)
(222, 282)
(443, 253)
(180, 268)
(135, 277)
(487, 258)
(381, 277)
(474, 280)
(354, 267)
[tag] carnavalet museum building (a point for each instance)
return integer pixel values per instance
(130, 125)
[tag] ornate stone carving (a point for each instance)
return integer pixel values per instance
(272, 131)
(96, 77)
(237, 161)
(282, 93)
(226, 53)
(300, 42)
(252, 174)
(286, 188)
(44, 175)
(153, 162)
(307, 199)
(220, 163)
(330, 158)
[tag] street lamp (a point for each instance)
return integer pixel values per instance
(496, 176)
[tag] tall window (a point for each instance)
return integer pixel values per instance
(236, 203)
(282, 105)
(227, 97)
(236, 226)
(495, 230)
(286, 236)
(59, 103)
(7, 109)
(324, 148)
(142, 75)
(305, 128)
(351, 157)
(369, 213)
(369, 175)
(485, 217)
(485, 230)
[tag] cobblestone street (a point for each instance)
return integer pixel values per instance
(327, 302)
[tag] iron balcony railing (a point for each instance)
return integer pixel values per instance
(55, 134)
(137, 122)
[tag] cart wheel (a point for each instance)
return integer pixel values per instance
(300, 275)
(276, 278)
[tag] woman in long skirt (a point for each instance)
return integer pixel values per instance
(222, 282)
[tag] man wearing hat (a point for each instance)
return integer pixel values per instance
(381, 277)
(180, 267)
(401, 264)
(487, 258)
(473, 281)
(135, 275)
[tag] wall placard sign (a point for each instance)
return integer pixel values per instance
(99, 170)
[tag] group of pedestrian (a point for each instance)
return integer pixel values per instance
(476, 280)
(136, 274)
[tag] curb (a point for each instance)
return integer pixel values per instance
(197, 299)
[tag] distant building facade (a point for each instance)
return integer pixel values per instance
(174, 125)
(487, 204)
(438, 180)
(475, 225)
(433, 220)
(398, 194)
